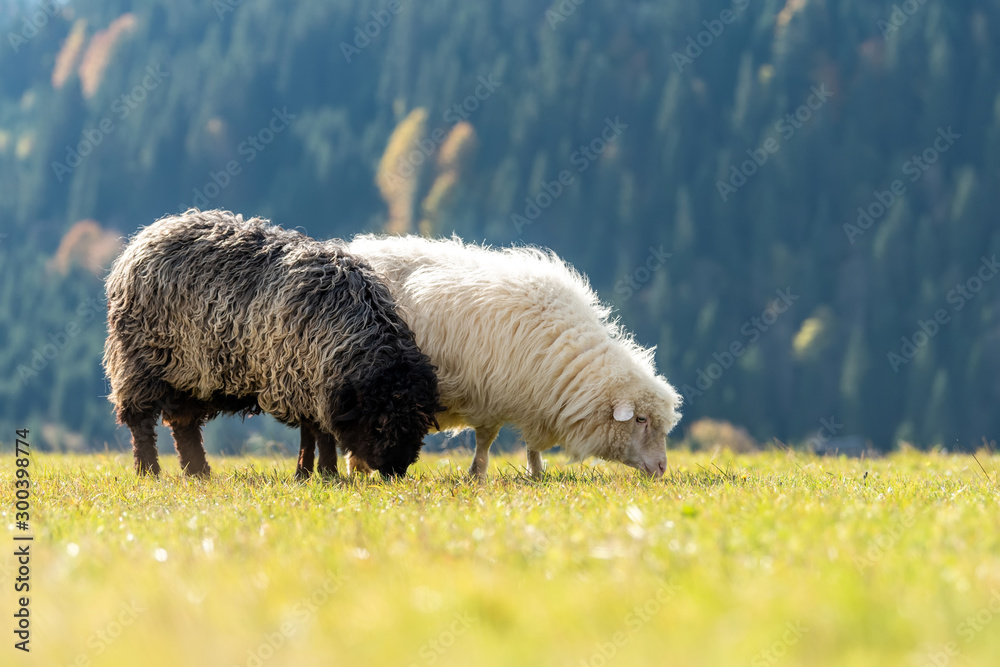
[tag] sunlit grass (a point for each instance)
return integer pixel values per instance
(767, 559)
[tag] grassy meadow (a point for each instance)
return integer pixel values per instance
(765, 559)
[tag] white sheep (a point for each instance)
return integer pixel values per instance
(519, 337)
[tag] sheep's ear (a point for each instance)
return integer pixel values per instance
(624, 412)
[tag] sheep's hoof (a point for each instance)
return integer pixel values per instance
(143, 468)
(302, 475)
(201, 472)
(536, 469)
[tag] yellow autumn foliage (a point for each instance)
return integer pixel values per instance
(69, 54)
(98, 54)
(397, 171)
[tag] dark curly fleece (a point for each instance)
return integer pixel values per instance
(210, 314)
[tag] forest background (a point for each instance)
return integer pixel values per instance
(794, 201)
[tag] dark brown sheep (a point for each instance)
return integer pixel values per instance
(209, 313)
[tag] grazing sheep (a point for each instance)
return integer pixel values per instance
(209, 313)
(519, 337)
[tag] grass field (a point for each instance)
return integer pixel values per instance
(765, 559)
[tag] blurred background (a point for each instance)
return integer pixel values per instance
(795, 201)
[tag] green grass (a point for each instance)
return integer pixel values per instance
(766, 559)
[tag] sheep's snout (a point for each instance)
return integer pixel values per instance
(654, 465)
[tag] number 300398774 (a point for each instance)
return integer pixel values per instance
(22, 483)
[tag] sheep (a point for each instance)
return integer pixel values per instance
(519, 337)
(209, 313)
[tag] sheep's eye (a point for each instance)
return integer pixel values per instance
(641, 420)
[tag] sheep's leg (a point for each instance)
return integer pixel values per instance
(327, 454)
(355, 464)
(307, 452)
(185, 422)
(485, 435)
(535, 465)
(143, 428)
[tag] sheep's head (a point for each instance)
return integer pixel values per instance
(388, 442)
(383, 417)
(639, 420)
